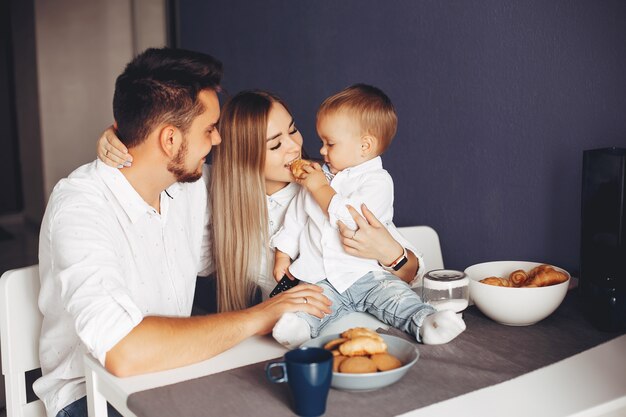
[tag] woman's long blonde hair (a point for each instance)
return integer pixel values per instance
(238, 203)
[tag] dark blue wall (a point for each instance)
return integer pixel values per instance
(496, 102)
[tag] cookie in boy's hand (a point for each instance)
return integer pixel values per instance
(297, 167)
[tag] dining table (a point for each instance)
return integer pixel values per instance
(560, 366)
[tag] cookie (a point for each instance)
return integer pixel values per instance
(297, 167)
(385, 361)
(357, 365)
(337, 360)
(334, 343)
(361, 332)
(362, 346)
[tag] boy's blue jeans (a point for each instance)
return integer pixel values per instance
(379, 293)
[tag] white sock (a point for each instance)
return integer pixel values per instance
(291, 331)
(441, 327)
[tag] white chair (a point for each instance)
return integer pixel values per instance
(425, 240)
(20, 325)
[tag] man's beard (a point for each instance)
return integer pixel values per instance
(177, 166)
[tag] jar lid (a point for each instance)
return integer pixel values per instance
(445, 275)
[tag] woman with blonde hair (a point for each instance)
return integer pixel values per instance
(251, 186)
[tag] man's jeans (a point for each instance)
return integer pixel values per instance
(379, 293)
(79, 409)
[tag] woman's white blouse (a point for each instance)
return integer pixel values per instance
(277, 204)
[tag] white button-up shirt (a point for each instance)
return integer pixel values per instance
(106, 260)
(277, 204)
(313, 238)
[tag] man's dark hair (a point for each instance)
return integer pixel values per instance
(162, 86)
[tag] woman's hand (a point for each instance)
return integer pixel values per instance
(371, 240)
(112, 151)
(304, 297)
(281, 265)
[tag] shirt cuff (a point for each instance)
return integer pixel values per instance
(113, 322)
(286, 243)
(337, 210)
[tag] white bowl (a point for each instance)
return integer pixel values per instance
(402, 349)
(513, 306)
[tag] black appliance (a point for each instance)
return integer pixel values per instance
(603, 238)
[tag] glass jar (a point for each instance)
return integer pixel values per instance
(446, 289)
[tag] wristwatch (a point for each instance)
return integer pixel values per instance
(397, 264)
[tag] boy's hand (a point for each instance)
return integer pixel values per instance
(316, 183)
(281, 265)
(314, 178)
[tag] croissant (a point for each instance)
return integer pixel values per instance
(540, 276)
(497, 281)
(547, 276)
(297, 167)
(533, 272)
(518, 278)
(362, 346)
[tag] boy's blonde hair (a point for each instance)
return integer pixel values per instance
(370, 106)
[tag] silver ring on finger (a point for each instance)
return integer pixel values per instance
(354, 235)
(106, 152)
(305, 300)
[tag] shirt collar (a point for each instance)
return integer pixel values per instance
(367, 166)
(174, 189)
(127, 197)
(283, 196)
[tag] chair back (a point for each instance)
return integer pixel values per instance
(20, 326)
(426, 241)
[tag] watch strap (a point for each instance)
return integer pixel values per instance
(398, 263)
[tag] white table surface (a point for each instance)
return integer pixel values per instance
(589, 384)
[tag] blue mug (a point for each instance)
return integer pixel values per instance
(308, 372)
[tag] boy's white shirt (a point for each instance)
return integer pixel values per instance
(311, 237)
